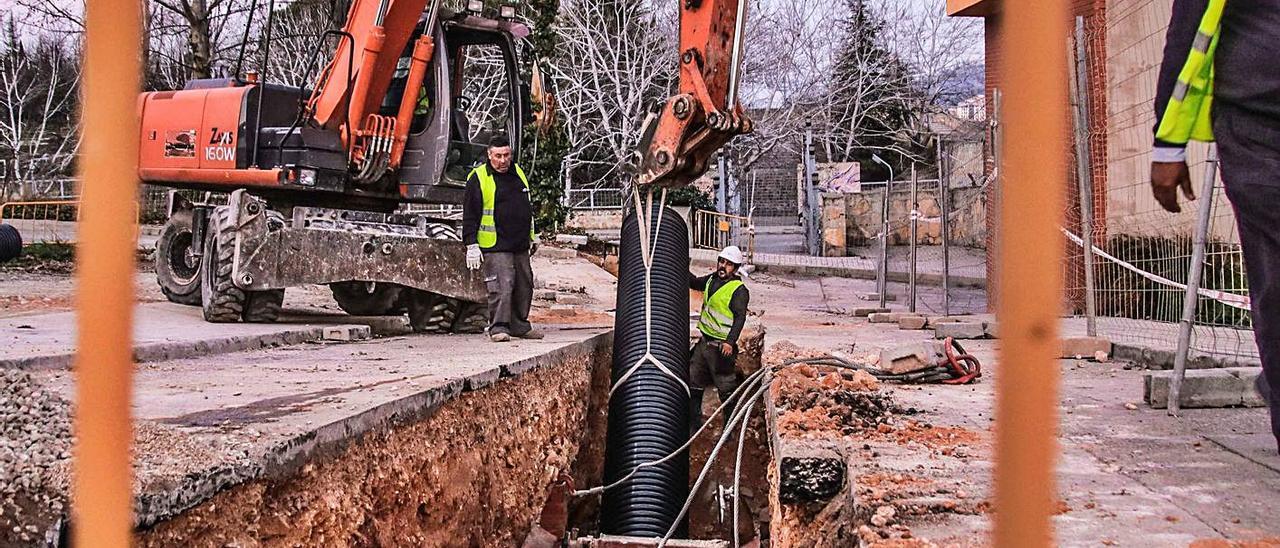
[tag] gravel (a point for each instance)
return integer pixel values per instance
(35, 457)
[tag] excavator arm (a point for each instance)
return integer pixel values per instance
(353, 85)
(680, 139)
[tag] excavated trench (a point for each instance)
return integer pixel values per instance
(472, 471)
(476, 469)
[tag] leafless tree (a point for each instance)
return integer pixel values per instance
(38, 93)
(785, 68)
(618, 57)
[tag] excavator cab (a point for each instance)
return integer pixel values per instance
(225, 134)
(472, 91)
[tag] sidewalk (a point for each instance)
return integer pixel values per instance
(929, 269)
(1127, 476)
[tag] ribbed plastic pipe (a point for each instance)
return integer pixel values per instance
(649, 413)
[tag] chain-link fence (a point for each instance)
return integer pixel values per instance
(1142, 254)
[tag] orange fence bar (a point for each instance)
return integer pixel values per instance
(102, 500)
(1032, 182)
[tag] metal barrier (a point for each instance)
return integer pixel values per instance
(50, 221)
(715, 230)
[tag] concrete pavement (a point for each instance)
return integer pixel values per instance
(1126, 477)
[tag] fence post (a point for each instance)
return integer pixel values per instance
(944, 207)
(882, 273)
(811, 195)
(1192, 296)
(1080, 104)
(915, 231)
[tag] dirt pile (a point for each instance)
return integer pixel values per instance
(821, 402)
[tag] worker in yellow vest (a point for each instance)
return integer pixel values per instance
(497, 227)
(1220, 81)
(724, 312)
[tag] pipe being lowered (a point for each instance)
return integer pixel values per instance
(648, 408)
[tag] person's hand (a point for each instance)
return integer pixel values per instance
(1166, 179)
(533, 246)
(474, 257)
(726, 349)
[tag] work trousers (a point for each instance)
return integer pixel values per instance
(509, 280)
(1249, 148)
(707, 367)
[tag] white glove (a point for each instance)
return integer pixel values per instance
(533, 247)
(474, 257)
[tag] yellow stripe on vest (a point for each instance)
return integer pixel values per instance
(487, 236)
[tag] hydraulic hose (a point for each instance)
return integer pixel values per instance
(648, 409)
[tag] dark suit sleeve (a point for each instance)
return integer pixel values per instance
(471, 205)
(1184, 23)
(738, 305)
(698, 283)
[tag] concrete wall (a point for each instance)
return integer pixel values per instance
(859, 215)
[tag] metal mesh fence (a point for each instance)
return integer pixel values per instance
(1143, 253)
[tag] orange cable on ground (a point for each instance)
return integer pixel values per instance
(102, 503)
(1033, 179)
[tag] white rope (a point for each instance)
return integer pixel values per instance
(738, 414)
(647, 251)
(1233, 300)
(747, 384)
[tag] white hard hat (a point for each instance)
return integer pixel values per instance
(733, 255)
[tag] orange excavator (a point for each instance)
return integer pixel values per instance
(316, 179)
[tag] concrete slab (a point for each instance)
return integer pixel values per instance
(960, 330)
(1201, 388)
(912, 322)
(885, 317)
(1259, 448)
(864, 312)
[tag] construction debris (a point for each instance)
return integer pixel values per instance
(35, 457)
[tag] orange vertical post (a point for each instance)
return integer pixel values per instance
(1029, 294)
(108, 171)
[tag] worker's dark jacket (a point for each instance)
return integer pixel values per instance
(1246, 63)
(737, 304)
(512, 212)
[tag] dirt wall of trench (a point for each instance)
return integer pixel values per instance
(472, 473)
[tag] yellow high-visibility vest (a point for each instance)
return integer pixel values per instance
(487, 237)
(717, 317)
(1187, 117)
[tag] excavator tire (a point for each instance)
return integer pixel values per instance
(368, 299)
(177, 271)
(431, 312)
(222, 301)
(263, 306)
(472, 318)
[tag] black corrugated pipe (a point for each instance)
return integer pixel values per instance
(649, 412)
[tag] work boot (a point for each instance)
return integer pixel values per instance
(500, 337)
(532, 334)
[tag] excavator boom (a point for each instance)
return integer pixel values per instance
(680, 139)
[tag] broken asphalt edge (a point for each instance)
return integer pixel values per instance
(285, 459)
(154, 352)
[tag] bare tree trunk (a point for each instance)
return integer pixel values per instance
(201, 42)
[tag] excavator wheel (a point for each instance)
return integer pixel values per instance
(431, 312)
(177, 267)
(223, 302)
(472, 318)
(263, 306)
(368, 298)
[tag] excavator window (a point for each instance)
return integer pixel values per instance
(484, 77)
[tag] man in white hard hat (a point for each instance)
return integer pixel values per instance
(724, 311)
